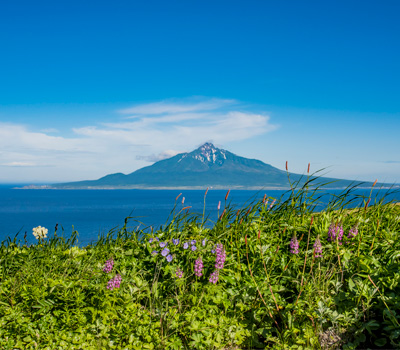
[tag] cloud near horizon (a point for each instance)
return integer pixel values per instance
(140, 134)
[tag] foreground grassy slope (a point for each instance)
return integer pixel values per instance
(258, 278)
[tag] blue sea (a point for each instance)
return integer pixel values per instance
(95, 212)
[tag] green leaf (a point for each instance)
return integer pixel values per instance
(380, 342)
(351, 284)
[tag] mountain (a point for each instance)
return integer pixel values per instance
(207, 166)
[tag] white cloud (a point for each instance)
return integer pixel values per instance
(173, 107)
(19, 164)
(157, 157)
(125, 145)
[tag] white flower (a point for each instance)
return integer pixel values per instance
(40, 232)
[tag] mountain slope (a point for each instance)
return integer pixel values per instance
(206, 166)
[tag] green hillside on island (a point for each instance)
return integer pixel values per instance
(207, 166)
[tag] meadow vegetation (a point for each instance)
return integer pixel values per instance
(273, 274)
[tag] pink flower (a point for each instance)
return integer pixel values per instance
(198, 267)
(214, 277)
(108, 266)
(294, 245)
(318, 248)
(335, 233)
(114, 282)
(221, 257)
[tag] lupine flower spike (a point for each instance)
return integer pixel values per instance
(108, 266)
(214, 277)
(198, 267)
(353, 232)
(294, 245)
(114, 282)
(318, 248)
(335, 233)
(221, 257)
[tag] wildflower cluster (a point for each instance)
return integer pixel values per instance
(114, 282)
(40, 232)
(165, 252)
(221, 256)
(108, 266)
(294, 245)
(198, 267)
(169, 253)
(335, 233)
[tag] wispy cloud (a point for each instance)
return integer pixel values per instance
(158, 131)
(19, 164)
(157, 157)
(391, 161)
(175, 107)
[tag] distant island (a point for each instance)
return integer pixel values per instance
(206, 166)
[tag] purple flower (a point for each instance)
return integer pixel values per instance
(353, 232)
(165, 252)
(163, 244)
(108, 266)
(193, 247)
(335, 233)
(154, 252)
(204, 241)
(193, 242)
(169, 257)
(185, 245)
(157, 239)
(175, 241)
(318, 248)
(214, 277)
(114, 282)
(294, 245)
(198, 267)
(179, 273)
(151, 240)
(221, 257)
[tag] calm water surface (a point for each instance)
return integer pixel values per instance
(94, 212)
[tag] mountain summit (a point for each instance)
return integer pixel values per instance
(206, 166)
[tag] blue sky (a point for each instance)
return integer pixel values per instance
(89, 88)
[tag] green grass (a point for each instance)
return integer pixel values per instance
(53, 295)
